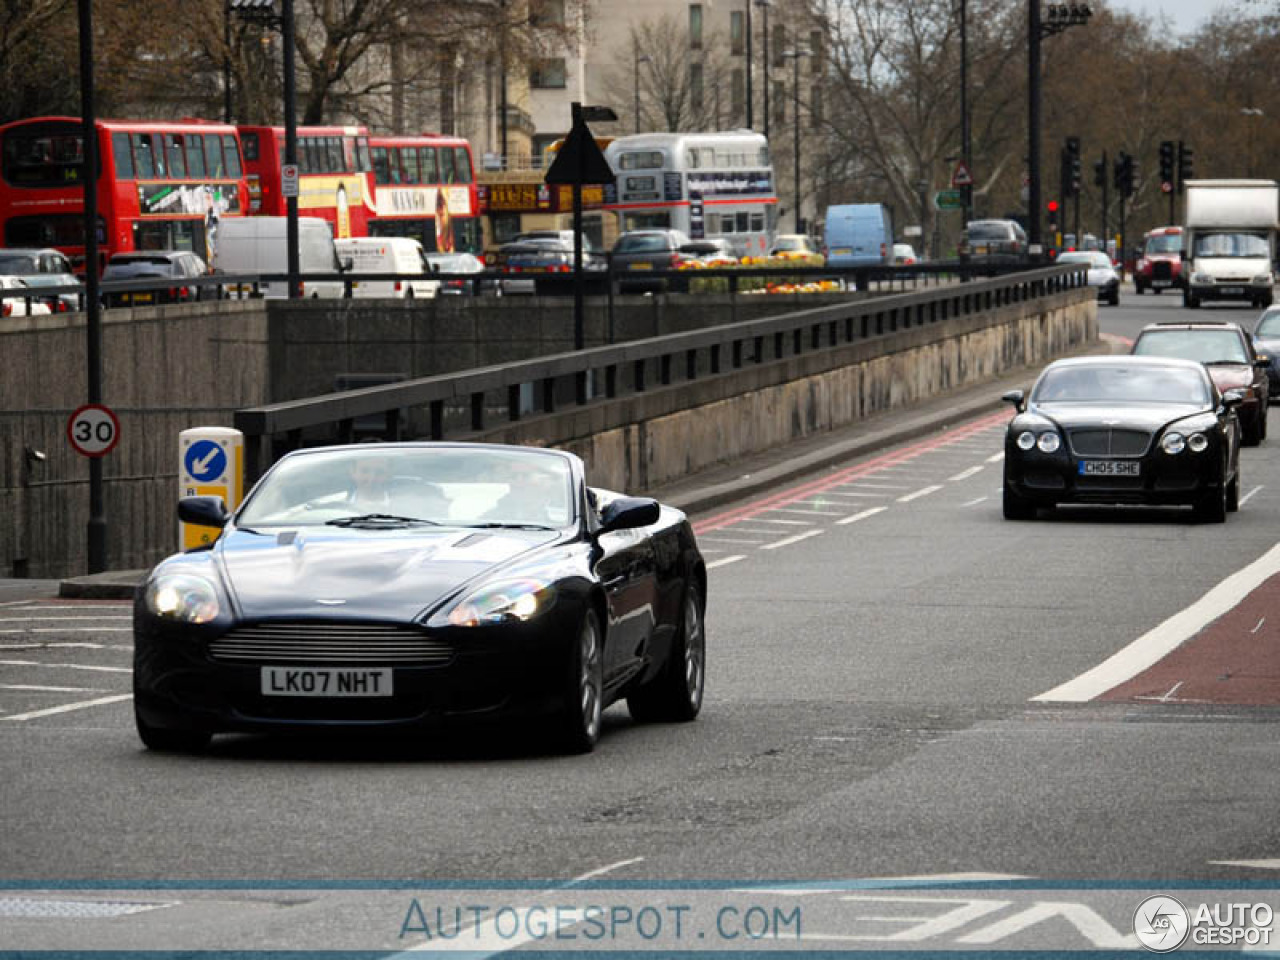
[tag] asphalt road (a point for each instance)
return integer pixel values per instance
(877, 638)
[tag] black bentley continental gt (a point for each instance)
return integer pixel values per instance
(391, 586)
(1141, 430)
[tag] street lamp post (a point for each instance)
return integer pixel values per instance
(966, 142)
(794, 56)
(639, 59)
(764, 5)
(750, 98)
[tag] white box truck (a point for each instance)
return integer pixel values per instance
(398, 255)
(1230, 240)
(256, 245)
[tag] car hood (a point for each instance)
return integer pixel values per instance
(383, 574)
(1149, 417)
(1101, 276)
(1230, 376)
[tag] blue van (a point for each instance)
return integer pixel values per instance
(859, 235)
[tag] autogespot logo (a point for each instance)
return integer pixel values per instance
(1161, 924)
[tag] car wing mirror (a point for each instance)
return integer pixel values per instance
(1262, 360)
(627, 513)
(1016, 397)
(1232, 398)
(203, 511)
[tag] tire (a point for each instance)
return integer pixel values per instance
(171, 739)
(1016, 507)
(1114, 299)
(675, 694)
(1212, 506)
(1191, 301)
(1233, 493)
(582, 705)
(1139, 289)
(1251, 433)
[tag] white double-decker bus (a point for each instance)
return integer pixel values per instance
(704, 184)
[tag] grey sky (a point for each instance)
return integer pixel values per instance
(1184, 15)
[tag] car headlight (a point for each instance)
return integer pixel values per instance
(503, 602)
(183, 598)
(1201, 278)
(1173, 443)
(1026, 440)
(1264, 278)
(1197, 442)
(1049, 442)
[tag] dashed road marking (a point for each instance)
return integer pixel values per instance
(67, 666)
(68, 707)
(1245, 498)
(725, 561)
(40, 689)
(787, 541)
(965, 474)
(922, 492)
(861, 516)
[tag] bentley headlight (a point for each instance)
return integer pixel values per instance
(1173, 443)
(183, 598)
(1026, 440)
(1197, 442)
(504, 602)
(1049, 442)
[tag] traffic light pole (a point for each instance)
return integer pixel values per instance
(1105, 177)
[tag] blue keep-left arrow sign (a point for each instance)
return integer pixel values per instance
(205, 460)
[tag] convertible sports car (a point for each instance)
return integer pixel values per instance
(402, 584)
(1123, 430)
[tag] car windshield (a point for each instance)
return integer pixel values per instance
(1116, 383)
(989, 231)
(1207, 346)
(1269, 325)
(1231, 245)
(17, 263)
(1170, 243)
(642, 243)
(452, 486)
(791, 243)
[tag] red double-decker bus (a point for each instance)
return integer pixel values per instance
(425, 188)
(161, 186)
(333, 175)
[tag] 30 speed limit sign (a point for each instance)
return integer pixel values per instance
(93, 430)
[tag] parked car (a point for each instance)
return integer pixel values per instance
(462, 263)
(1266, 342)
(544, 265)
(1160, 265)
(710, 252)
(168, 271)
(799, 247)
(418, 583)
(1125, 430)
(640, 251)
(20, 306)
(392, 255)
(1002, 242)
(904, 255)
(1232, 361)
(1103, 275)
(43, 267)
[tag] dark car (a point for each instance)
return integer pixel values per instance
(1266, 341)
(392, 586)
(43, 267)
(1002, 242)
(159, 276)
(1128, 430)
(1232, 361)
(544, 265)
(640, 252)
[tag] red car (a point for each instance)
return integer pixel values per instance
(1160, 265)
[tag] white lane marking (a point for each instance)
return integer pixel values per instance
(28, 630)
(68, 707)
(725, 561)
(601, 871)
(922, 492)
(811, 511)
(68, 666)
(861, 496)
(876, 486)
(749, 532)
(789, 523)
(965, 474)
(1245, 498)
(1159, 642)
(996, 458)
(974, 503)
(98, 619)
(36, 687)
(70, 644)
(1255, 864)
(1259, 626)
(861, 516)
(714, 538)
(38, 608)
(787, 541)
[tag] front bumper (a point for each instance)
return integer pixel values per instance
(1228, 290)
(1163, 479)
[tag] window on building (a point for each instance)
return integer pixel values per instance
(695, 86)
(815, 47)
(548, 74)
(695, 26)
(779, 44)
(737, 32)
(737, 94)
(546, 13)
(815, 107)
(779, 101)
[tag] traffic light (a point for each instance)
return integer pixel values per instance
(1125, 173)
(1099, 173)
(1073, 180)
(1184, 165)
(1053, 216)
(1064, 172)
(1166, 162)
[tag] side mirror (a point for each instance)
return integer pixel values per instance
(345, 265)
(204, 511)
(1015, 397)
(627, 513)
(1262, 361)
(1232, 398)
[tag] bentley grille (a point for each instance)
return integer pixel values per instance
(329, 642)
(1109, 443)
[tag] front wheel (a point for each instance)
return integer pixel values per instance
(582, 705)
(169, 739)
(675, 694)
(1212, 506)
(1017, 507)
(1233, 494)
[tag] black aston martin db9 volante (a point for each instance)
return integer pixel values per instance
(1123, 430)
(394, 585)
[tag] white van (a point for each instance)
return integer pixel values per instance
(403, 255)
(256, 245)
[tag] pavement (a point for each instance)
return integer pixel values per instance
(709, 488)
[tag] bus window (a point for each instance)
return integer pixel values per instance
(333, 155)
(447, 174)
(362, 155)
(123, 156)
(381, 166)
(349, 154)
(231, 155)
(177, 159)
(647, 160)
(195, 155)
(145, 163)
(757, 222)
(212, 156)
(462, 164)
(430, 169)
(743, 221)
(409, 163)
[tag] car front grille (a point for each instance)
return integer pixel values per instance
(1109, 443)
(330, 641)
(1162, 270)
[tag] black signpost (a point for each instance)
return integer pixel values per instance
(580, 161)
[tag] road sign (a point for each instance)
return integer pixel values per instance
(210, 464)
(93, 430)
(948, 200)
(961, 177)
(289, 180)
(579, 160)
(204, 461)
